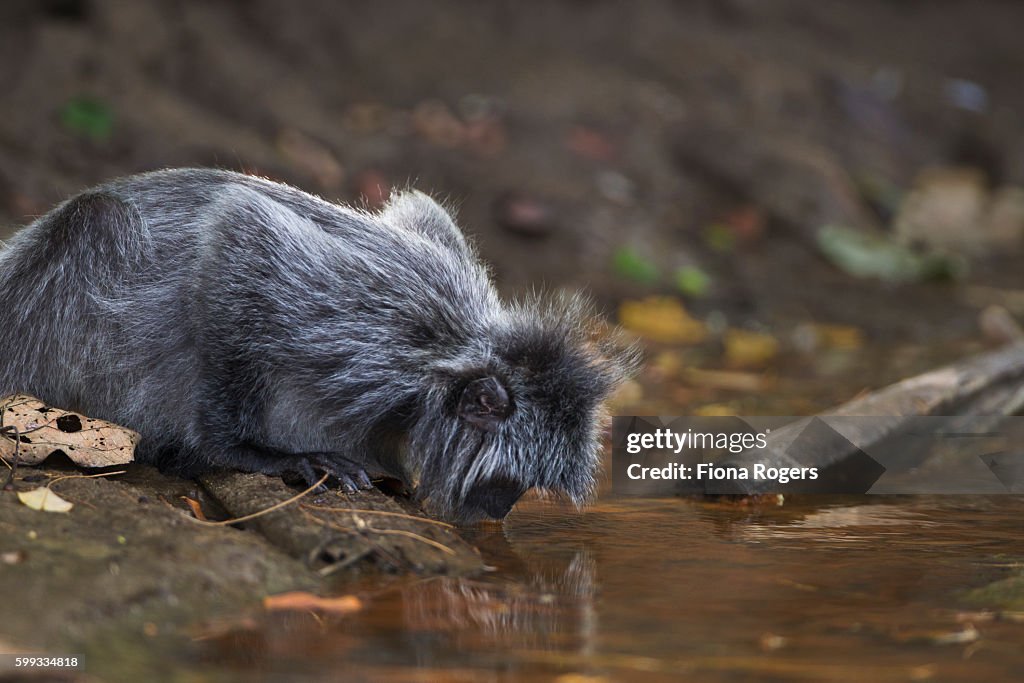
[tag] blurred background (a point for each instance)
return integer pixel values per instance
(825, 191)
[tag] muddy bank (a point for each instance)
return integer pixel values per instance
(130, 581)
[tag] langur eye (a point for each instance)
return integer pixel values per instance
(485, 404)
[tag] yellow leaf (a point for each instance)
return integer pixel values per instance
(725, 379)
(842, 337)
(662, 319)
(745, 349)
(44, 499)
(715, 410)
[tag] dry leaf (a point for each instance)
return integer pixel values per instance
(662, 319)
(744, 349)
(730, 380)
(42, 430)
(844, 337)
(715, 410)
(196, 508)
(300, 600)
(44, 499)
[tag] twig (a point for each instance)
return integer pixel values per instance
(373, 545)
(366, 530)
(380, 512)
(272, 508)
(82, 476)
(414, 536)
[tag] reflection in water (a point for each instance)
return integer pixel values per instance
(548, 607)
(865, 588)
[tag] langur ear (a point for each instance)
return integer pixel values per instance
(485, 404)
(414, 211)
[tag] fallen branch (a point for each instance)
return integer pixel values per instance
(981, 390)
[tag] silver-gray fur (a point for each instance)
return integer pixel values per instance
(237, 322)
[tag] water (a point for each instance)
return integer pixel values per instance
(865, 588)
(819, 589)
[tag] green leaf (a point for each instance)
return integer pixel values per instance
(873, 256)
(89, 118)
(719, 238)
(692, 281)
(627, 263)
